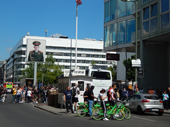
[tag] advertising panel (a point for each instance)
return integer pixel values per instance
(36, 50)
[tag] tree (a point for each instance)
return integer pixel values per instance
(113, 69)
(130, 71)
(93, 62)
(48, 71)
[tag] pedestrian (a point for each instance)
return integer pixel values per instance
(124, 94)
(2, 94)
(159, 93)
(85, 96)
(150, 91)
(117, 94)
(137, 91)
(68, 100)
(23, 92)
(45, 94)
(42, 94)
(29, 95)
(14, 94)
(165, 99)
(75, 93)
(110, 95)
(141, 90)
(169, 96)
(26, 89)
(90, 99)
(18, 94)
(102, 98)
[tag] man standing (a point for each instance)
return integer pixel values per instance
(124, 94)
(36, 55)
(90, 99)
(75, 93)
(68, 100)
(42, 94)
(111, 97)
(14, 94)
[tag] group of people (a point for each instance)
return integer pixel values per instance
(71, 97)
(27, 94)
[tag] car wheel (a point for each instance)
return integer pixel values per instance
(160, 113)
(139, 110)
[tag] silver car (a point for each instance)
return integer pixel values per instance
(146, 103)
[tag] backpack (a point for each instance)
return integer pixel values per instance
(74, 91)
(12, 91)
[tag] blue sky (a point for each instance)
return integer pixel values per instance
(57, 16)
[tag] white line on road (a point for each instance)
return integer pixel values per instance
(144, 119)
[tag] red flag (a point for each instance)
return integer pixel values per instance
(78, 2)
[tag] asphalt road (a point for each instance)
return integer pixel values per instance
(25, 115)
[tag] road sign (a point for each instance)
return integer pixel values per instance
(140, 73)
(112, 56)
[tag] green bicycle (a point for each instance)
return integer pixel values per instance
(83, 109)
(123, 105)
(98, 114)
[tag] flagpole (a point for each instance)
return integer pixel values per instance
(76, 36)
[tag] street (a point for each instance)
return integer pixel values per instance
(26, 115)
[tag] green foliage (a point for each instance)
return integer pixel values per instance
(130, 71)
(48, 71)
(113, 69)
(93, 62)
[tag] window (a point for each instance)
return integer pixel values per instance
(150, 20)
(113, 9)
(145, 13)
(164, 5)
(129, 8)
(113, 34)
(165, 14)
(121, 8)
(100, 75)
(106, 38)
(81, 85)
(107, 11)
(121, 32)
(130, 30)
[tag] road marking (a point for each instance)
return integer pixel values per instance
(144, 119)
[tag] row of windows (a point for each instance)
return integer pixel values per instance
(116, 9)
(150, 17)
(81, 61)
(119, 33)
(78, 49)
(80, 67)
(19, 66)
(78, 55)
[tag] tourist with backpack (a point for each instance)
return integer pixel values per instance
(75, 93)
(124, 94)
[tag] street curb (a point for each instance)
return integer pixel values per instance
(47, 110)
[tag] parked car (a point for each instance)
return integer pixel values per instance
(146, 103)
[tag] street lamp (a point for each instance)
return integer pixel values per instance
(136, 32)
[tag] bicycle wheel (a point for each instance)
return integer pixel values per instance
(82, 110)
(97, 113)
(119, 114)
(127, 113)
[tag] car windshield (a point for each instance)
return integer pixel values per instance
(101, 75)
(152, 97)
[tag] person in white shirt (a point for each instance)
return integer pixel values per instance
(29, 95)
(102, 98)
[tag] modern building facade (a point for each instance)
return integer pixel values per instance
(153, 35)
(63, 50)
(2, 71)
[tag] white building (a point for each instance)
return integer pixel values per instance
(87, 51)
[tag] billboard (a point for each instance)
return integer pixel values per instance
(110, 56)
(36, 50)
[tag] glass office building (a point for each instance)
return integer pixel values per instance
(153, 36)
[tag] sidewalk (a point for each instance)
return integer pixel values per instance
(53, 110)
(59, 111)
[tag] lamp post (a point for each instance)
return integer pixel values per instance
(136, 32)
(45, 32)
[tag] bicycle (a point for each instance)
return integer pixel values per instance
(98, 114)
(123, 106)
(83, 109)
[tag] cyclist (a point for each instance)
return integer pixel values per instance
(102, 98)
(111, 97)
(85, 96)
